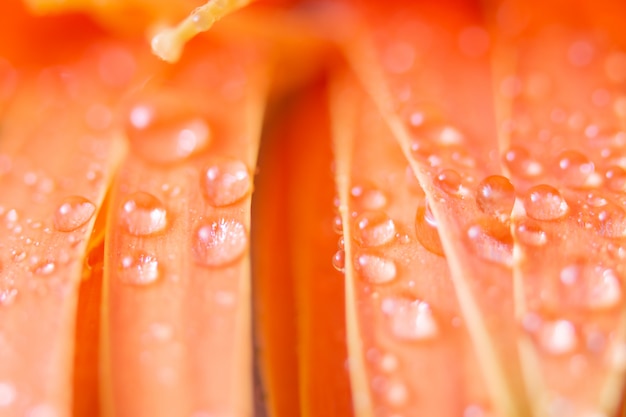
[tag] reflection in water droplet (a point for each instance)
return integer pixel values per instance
(573, 168)
(339, 260)
(491, 245)
(46, 267)
(8, 393)
(530, 234)
(558, 337)
(375, 268)
(143, 214)
(520, 163)
(219, 242)
(225, 182)
(138, 268)
(410, 319)
(426, 229)
(588, 286)
(449, 181)
(161, 133)
(374, 228)
(495, 197)
(72, 213)
(544, 202)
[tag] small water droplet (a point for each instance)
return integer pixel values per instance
(73, 213)
(46, 267)
(374, 228)
(616, 178)
(495, 197)
(411, 320)
(426, 229)
(530, 233)
(219, 242)
(491, 244)
(143, 214)
(520, 163)
(589, 286)
(226, 182)
(368, 197)
(8, 394)
(138, 268)
(339, 260)
(558, 337)
(544, 202)
(449, 181)
(573, 168)
(388, 363)
(338, 224)
(376, 269)
(162, 133)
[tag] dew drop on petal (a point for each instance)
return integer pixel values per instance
(449, 181)
(138, 268)
(143, 214)
(45, 267)
(573, 168)
(495, 197)
(374, 228)
(426, 229)
(616, 178)
(219, 242)
(73, 213)
(410, 320)
(376, 269)
(225, 182)
(557, 337)
(339, 260)
(543, 202)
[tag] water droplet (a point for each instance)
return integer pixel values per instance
(72, 213)
(226, 182)
(411, 320)
(493, 244)
(544, 202)
(520, 163)
(558, 337)
(368, 197)
(143, 214)
(611, 220)
(375, 268)
(588, 286)
(397, 393)
(426, 229)
(8, 393)
(219, 242)
(388, 363)
(338, 224)
(138, 268)
(374, 228)
(616, 178)
(495, 197)
(449, 181)
(530, 234)
(339, 260)
(162, 133)
(46, 267)
(573, 168)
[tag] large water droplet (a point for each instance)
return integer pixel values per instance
(160, 132)
(573, 168)
(143, 214)
(588, 286)
(374, 228)
(410, 319)
(138, 268)
(544, 202)
(339, 260)
(495, 197)
(72, 213)
(491, 244)
(520, 163)
(219, 242)
(558, 337)
(225, 182)
(426, 229)
(376, 269)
